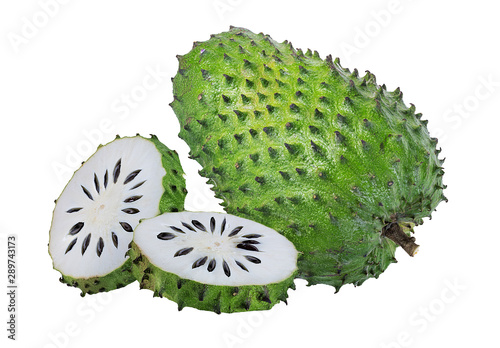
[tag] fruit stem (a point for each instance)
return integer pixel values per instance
(394, 232)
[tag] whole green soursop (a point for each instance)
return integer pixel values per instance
(333, 161)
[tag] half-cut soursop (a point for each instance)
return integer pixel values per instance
(93, 221)
(333, 161)
(213, 261)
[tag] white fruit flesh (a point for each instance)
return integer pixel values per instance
(105, 204)
(249, 260)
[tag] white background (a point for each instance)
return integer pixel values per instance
(66, 69)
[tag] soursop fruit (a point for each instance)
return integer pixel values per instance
(126, 180)
(336, 163)
(212, 261)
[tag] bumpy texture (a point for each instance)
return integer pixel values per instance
(95, 215)
(215, 298)
(329, 159)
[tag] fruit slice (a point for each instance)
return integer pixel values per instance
(93, 221)
(213, 261)
(336, 163)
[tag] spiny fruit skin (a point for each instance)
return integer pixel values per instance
(308, 148)
(215, 298)
(172, 200)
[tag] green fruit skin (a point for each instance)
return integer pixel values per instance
(172, 200)
(114, 280)
(308, 148)
(215, 298)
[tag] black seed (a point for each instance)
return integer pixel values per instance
(188, 226)
(166, 236)
(253, 259)
(96, 183)
(76, 228)
(116, 171)
(199, 225)
(131, 176)
(247, 246)
(132, 199)
(212, 224)
(250, 242)
(86, 243)
(225, 98)
(177, 229)
(100, 246)
(106, 179)
(73, 210)
(235, 231)
(139, 184)
(200, 262)
(87, 193)
(223, 226)
(242, 266)
(130, 210)
(114, 237)
(183, 251)
(126, 227)
(71, 245)
(211, 265)
(226, 269)
(253, 235)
